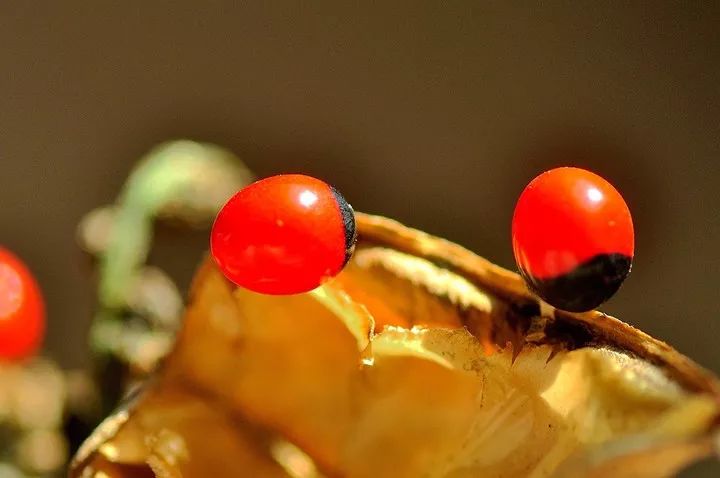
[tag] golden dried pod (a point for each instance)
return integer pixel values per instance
(420, 360)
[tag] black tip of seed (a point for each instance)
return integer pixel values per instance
(348, 218)
(585, 287)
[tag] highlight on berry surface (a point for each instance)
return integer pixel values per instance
(22, 310)
(285, 234)
(573, 238)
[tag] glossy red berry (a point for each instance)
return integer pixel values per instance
(22, 310)
(573, 238)
(285, 234)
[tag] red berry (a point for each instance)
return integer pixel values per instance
(22, 311)
(285, 234)
(573, 238)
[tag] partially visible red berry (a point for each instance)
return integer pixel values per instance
(285, 234)
(573, 238)
(22, 310)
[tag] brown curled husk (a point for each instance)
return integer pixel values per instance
(420, 360)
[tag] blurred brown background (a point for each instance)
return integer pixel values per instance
(436, 115)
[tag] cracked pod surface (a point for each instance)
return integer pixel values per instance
(420, 360)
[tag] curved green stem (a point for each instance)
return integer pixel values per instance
(184, 179)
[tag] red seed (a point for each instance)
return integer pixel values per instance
(22, 310)
(573, 238)
(283, 235)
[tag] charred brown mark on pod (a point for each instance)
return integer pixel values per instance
(348, 219)
(585, 287)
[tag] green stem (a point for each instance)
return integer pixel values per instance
(193, 179)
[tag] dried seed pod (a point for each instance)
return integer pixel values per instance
(421, 359)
